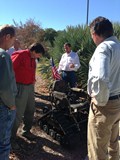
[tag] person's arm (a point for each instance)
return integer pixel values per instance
(77, 62)
(100, 79)
(60, 67)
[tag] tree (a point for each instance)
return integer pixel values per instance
(50, 35)
(29, 32)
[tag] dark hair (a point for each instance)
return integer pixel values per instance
(102, 27)
(67, 44)
(37, 47)
(7, 29)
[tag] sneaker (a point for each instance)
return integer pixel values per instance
(29, 135)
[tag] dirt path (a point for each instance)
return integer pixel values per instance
(45, 148)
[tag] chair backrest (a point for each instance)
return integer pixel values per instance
(60, 86)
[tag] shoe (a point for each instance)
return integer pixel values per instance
(14, 145)
(29, 135)
(86, 158)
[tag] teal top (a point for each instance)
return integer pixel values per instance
(8, 89)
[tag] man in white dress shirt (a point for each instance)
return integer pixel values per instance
(104, 89)
(68, 65)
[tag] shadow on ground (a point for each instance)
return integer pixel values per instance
(44, 147)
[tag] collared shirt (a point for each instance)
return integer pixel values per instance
(68, 59)
(24, 67)
(104, 71)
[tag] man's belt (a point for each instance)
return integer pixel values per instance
(114, 97)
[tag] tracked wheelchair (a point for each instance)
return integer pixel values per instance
(68, 115)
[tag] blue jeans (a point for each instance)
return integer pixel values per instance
(7, 117)
(69, 77)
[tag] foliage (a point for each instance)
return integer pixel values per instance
(53, 41)
(116, 27)
(44, 67)
(81, 42)
(29, 33)
(50, 35)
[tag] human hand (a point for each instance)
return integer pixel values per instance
(60, 73)
(12, 107)
(93, 100)
(71, 65)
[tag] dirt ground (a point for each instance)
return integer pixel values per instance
(44, 147)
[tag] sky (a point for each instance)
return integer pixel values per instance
(57, 14)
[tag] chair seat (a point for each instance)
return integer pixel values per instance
(59, 95)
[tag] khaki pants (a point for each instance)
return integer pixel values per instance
(25, 105)
(103, 131)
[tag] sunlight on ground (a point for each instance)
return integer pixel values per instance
(49, 150)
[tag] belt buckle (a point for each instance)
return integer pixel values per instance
(115, 97)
